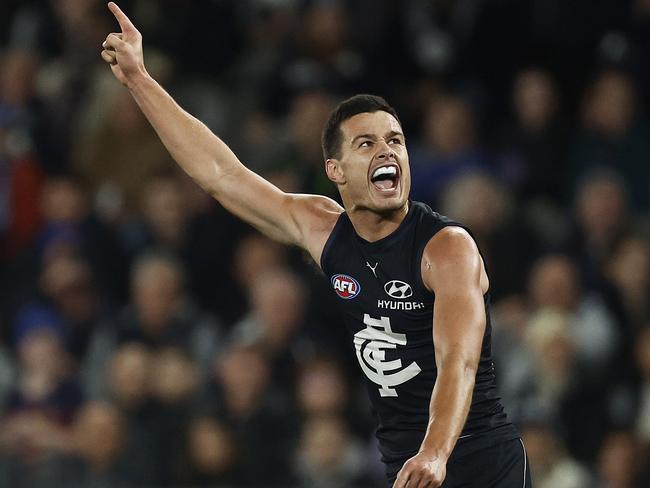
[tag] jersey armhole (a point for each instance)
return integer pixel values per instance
(330, 240)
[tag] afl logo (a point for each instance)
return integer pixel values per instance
(345, 286)
(398, 289)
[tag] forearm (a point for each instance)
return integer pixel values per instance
(198, 151)
(193, 146)
(450, 404)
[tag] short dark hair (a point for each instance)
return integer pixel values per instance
(358, 104)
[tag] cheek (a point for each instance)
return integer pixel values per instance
(356, 175)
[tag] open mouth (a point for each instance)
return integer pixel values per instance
(385, 178)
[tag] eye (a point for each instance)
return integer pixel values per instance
(395, 140)
(365, 144)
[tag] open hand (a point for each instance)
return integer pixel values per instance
(123, 50)
(421, 471)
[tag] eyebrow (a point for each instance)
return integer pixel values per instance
(373, 137)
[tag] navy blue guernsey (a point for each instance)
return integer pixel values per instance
(389, 314)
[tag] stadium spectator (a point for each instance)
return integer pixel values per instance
(551, 465)
(122, 170)
(159, 314)
(67, 283)
(488, 209)
(613, 135)
(99, 440)
(211, 458)
(276, 323)
(533, 147)
(260, 416)
(448, 148)
(554, 282)
(36, 425)
(619, 466)
(527, 122)
(329, 456)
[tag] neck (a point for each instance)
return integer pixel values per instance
(373, 226)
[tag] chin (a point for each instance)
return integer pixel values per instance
(390, 204)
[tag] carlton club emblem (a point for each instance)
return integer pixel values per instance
(345, 286)
(398, 289)
(371, 344)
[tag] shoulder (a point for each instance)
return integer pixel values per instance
(451, 242)
(451, 257)
(317, 212)
(315, 216)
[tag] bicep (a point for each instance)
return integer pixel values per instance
(284, 217)
(454, 273)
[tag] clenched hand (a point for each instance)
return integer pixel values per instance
(123, 50)
(421, 471)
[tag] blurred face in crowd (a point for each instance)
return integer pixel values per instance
(610, 105)
(372, 140)
(128, 376)
(542, 448)
(41, 352)
(554, 283)
(601, 208)
(62, 200)
(309, 112)
(548, 337)
(99, 434)
(164, 210)
(618, 461)
(124, 116)
(244, 374)
(449, 125)
(535, 99)
(321, 388)
(255, 254)
(325, 29)
(174, 378)
(278, 302)
(156, 287)
(629, 267)
(67, 281)
(211, 447)
(478, 201)
(323, 443)
(17, 77)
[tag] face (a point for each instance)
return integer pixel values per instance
(156, 293)
(373, 170)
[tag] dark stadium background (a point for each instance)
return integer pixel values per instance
(149, 339)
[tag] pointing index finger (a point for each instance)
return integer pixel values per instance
(125, 24)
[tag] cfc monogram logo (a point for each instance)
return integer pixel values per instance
(371, 344)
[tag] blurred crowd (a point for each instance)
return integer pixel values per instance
(148, 338)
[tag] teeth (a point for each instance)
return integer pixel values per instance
(384, 170)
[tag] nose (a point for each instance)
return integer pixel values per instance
(384, 150)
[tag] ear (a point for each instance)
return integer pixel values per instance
(334, 171)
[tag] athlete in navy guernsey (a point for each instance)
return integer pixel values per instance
(411, 284)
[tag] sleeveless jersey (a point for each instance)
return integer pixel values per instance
(389, 314)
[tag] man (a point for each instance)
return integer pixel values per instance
(427, 362)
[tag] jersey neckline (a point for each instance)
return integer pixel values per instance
(390, 238)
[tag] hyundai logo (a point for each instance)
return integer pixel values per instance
(398, 289)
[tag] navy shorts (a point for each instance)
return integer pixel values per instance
(504, 465)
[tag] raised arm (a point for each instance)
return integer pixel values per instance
(304, 220)
(452, 268)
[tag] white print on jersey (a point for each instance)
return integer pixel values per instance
(374, 270)
(370, 344)
(398, 289)
(393, 305)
